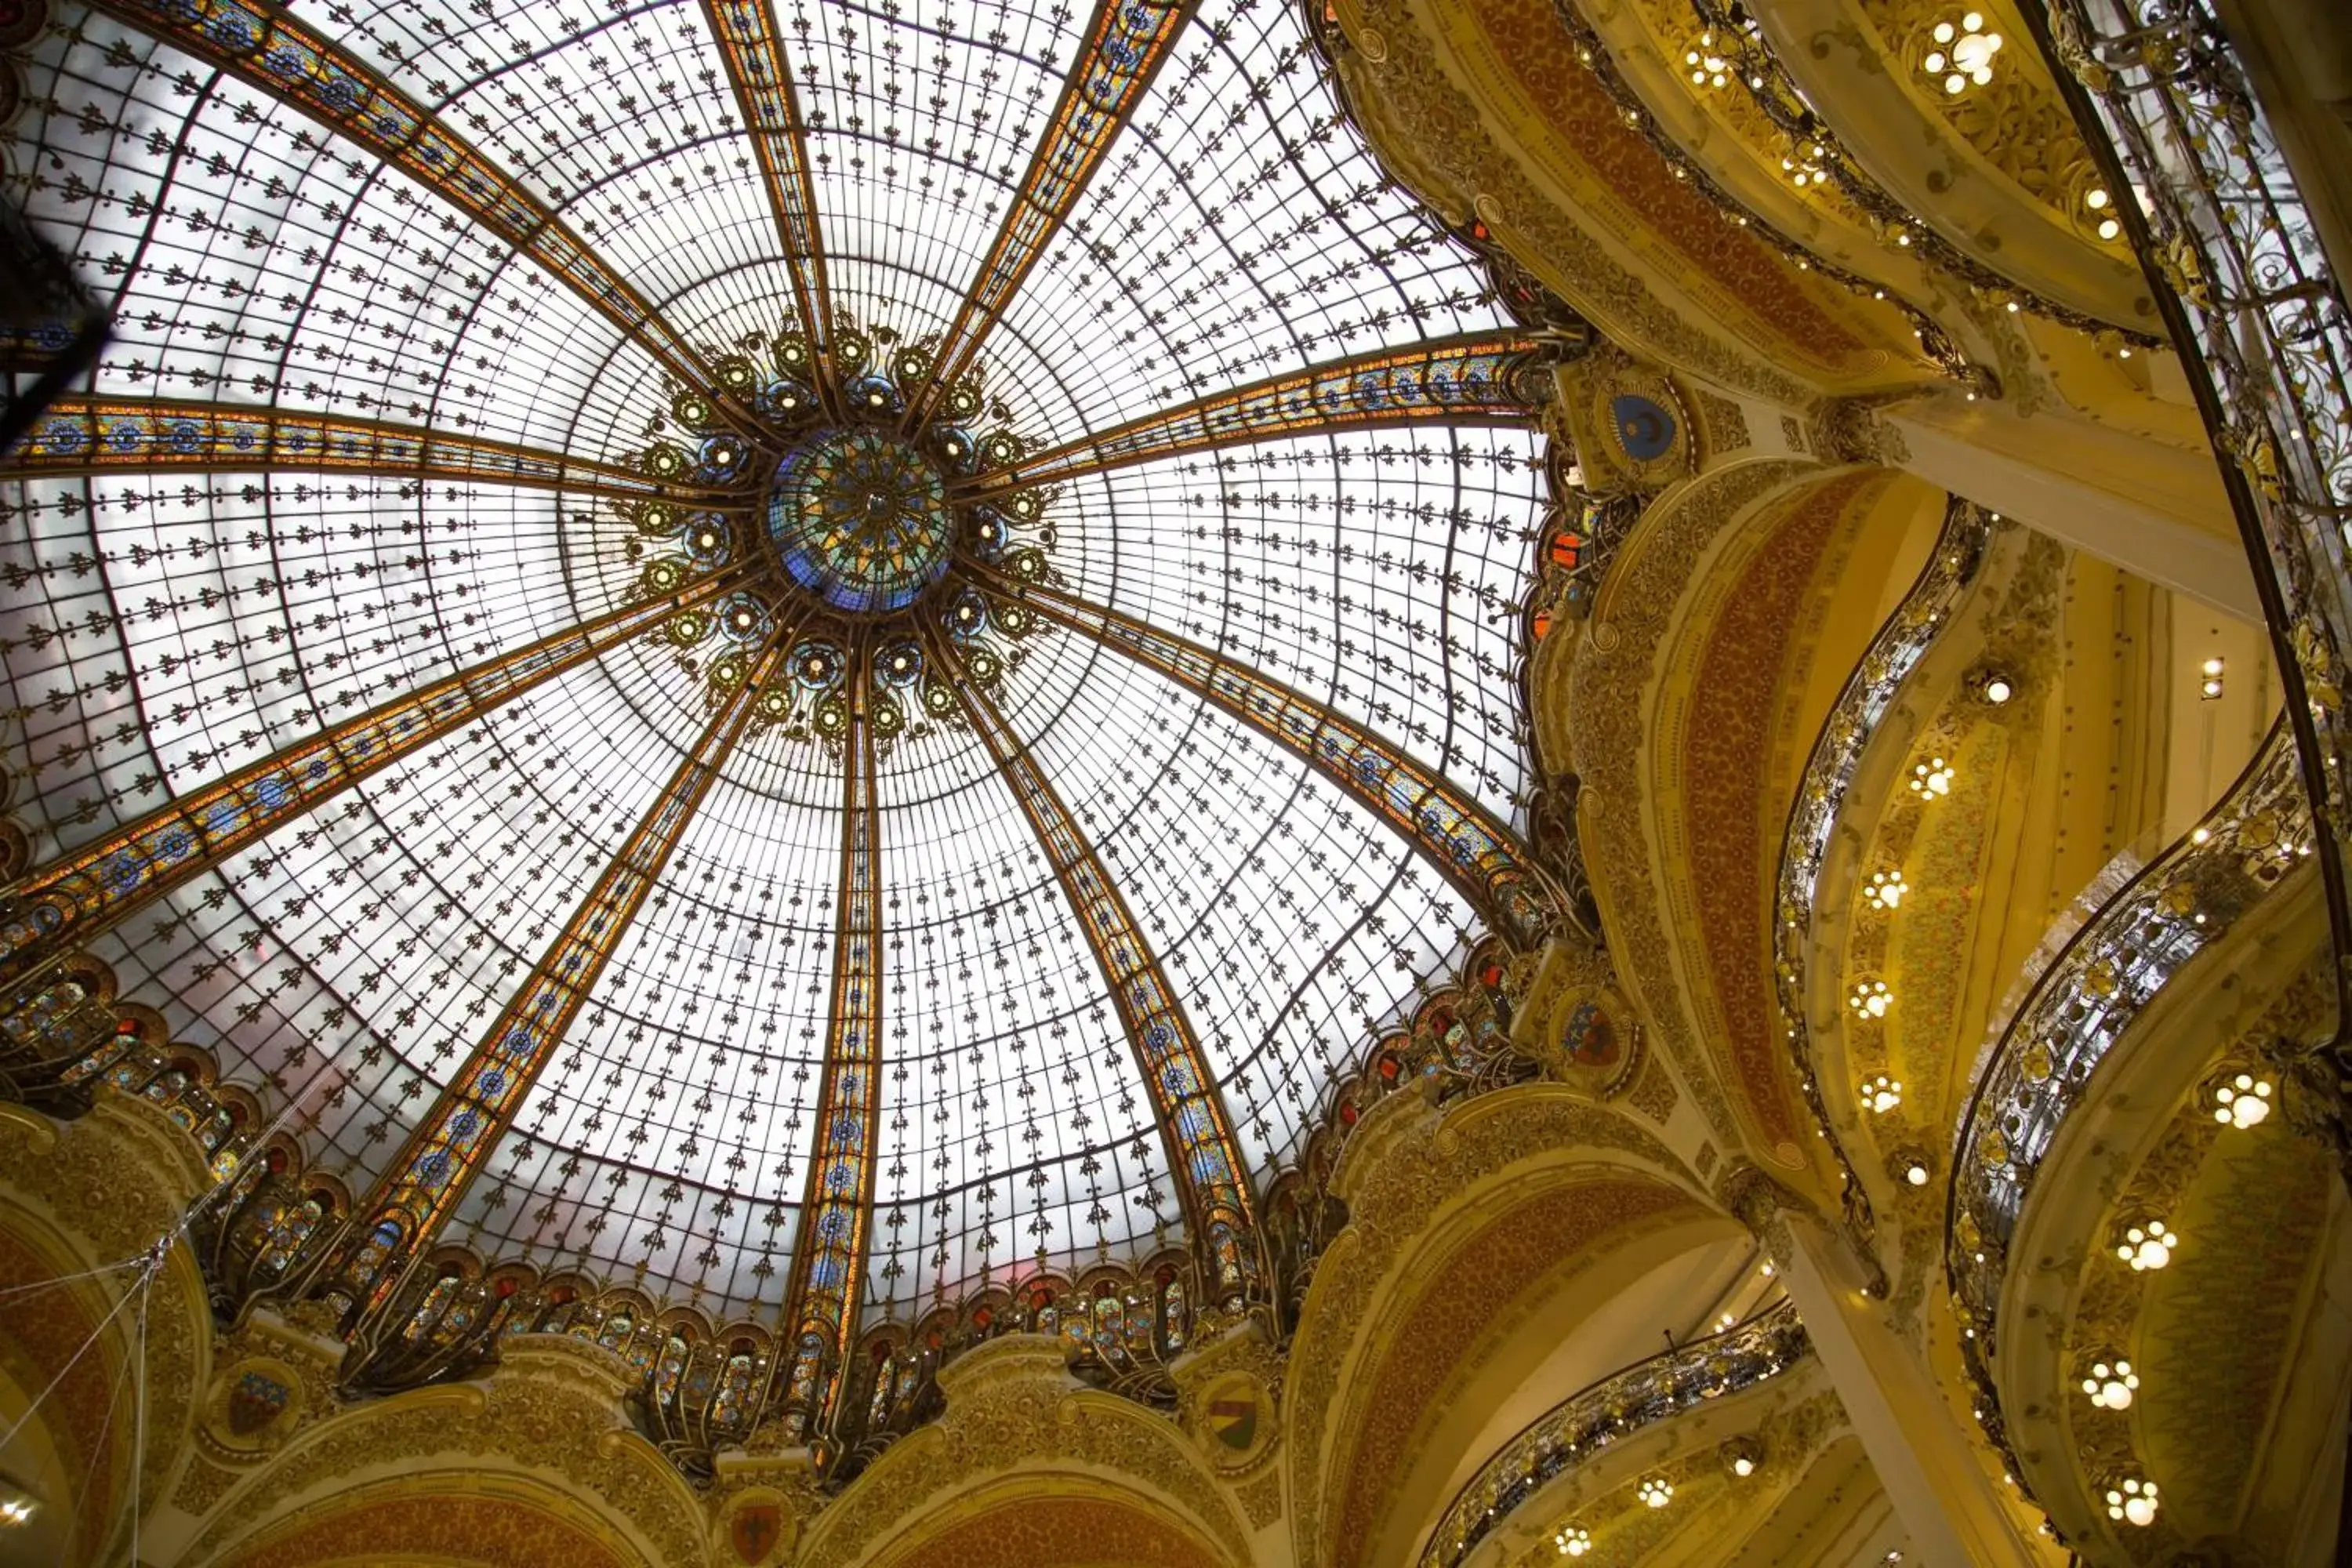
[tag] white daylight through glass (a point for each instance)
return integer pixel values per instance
(988, 916)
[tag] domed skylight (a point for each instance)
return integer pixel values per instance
(779, 703)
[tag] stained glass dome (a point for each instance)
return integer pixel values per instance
(797, 654)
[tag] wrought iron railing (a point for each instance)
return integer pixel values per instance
(2241, 277)
(1609, 1412)
(1845, 735)
(2098, 984)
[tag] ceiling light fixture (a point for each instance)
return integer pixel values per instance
(2243, 1103)
(2111, 1384)
(2133, 1501)
(2147, 1245)
(1932, 779)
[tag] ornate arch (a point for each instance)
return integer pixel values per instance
(1078, 1522)
(465, 1518)
(1472, 1237)
(1020, 1430)
(544, 1438)
(89, 1198)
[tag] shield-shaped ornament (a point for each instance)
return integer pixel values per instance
(255, 1402)
(754, 1530)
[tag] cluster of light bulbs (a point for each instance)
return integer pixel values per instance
(1964, 54)
(1707, 68)
(2243, 1102)
(1886, 890)
(2111, 1386)
(1932, 779)
(1803, 164)
(1573, 1542)
(1871, 998)
(2132, 1502)
(2148, 1245)
(1657, 1491)
(2209, 685)
(1881, 1094)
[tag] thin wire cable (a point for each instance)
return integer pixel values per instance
(60, 1280)
(10, 1435)
(98, 1443)
(139, 1423)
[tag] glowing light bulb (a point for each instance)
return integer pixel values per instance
(1743, 1467)
(1573, 1542)
(1657, 1491)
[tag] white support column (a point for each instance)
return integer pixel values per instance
(2155, 510)
(1949, 1506)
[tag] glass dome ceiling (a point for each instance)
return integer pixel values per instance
(459, 642)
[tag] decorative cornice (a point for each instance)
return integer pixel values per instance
(1404, 100)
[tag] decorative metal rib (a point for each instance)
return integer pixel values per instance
(417, 1191)
(745, 32)
(1478, 854)
(829, 1256)
(268, 49)
(68, 903)
(1125, 45)
(1458, 380)
(1198, 1130)
(82, 435)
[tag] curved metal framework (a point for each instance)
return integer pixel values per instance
(402, 1215)
(697, 507)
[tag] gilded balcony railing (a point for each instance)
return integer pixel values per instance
(2241, 275)
(2093, 990)
(1902, 642)
(1571, 1432)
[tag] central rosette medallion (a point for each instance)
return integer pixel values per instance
(883, 548)
(861, 518)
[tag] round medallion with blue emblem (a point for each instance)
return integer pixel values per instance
(861, 520)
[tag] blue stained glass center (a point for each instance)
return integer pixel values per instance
(861, 520)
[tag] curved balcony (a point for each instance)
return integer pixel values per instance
(1830, 773)
(2096, 988)
(1994, 166)
(2247, 293)
(1608, 1413)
